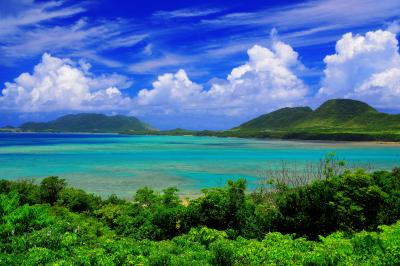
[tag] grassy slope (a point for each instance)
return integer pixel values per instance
(332, 115)
(349, 114)
(282, 118)
(334, 120)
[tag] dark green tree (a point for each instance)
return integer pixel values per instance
(50, 188)
(145, 197)
(170, 197)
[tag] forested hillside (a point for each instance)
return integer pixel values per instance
(333, 114)
(86, 122)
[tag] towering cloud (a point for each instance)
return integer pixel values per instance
(364, 67)
(265, 82)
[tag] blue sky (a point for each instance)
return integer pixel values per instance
(203, 64)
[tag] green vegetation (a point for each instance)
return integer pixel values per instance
(332, 115)
(280, 119)
(331, 135)
(89, 123)
(338, 119)
(350, 218)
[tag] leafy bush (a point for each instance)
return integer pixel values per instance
(353, 201)
(50, 187)
(338, 220)
(78, 200)
(206, 236)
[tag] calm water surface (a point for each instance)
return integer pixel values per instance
(106, 164)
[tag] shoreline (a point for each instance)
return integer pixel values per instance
(355, 142)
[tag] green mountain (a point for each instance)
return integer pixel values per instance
(333, 115)
(279, 119)
(86, 122)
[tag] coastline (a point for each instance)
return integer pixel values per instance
(315, 140)
(165, 133)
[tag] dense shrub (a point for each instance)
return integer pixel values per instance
(353, 201)
(78, 200)
(336, 220)
(27, 190)
(50, 188)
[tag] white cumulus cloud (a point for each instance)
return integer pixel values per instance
(266, 81)
(365, 67)
(60, 84)
(171, 93)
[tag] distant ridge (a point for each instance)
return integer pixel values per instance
(334, 120)
(333, 114)
(88, 122)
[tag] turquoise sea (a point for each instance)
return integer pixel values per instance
(106, 164)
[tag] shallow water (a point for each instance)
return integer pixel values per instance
(106, 164)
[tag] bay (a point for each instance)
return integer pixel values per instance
(107, 163)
